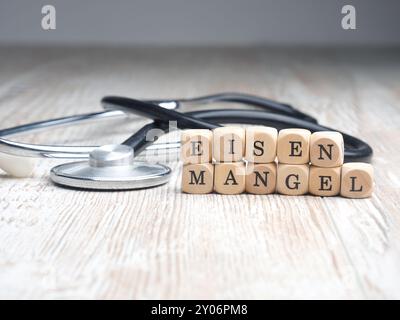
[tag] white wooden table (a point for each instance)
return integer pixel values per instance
(160, 243)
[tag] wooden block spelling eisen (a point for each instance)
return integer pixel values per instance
(261, 144)
(324, 181)
(196, 146)
(228, 144)
(294, 146)
(357, 180)
(326, 149)
(292, 179)
(230, 177)
(261, 178)
(198, 178)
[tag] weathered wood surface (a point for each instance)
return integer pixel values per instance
(160, 243)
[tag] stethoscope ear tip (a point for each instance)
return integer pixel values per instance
(18, 167)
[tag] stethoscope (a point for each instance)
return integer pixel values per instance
(113, 167)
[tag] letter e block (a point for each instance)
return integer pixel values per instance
(357, 180)
(230, 178)
(326, 149)
(261, 178)
(294, 146)
(228, 144)
(261, 144)
(198, 178)
(196, 146)
(292, 179)
(324, 182)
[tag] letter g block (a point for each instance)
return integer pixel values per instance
(292, 180)
(294, 146)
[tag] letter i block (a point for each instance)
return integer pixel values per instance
(196, 146)
(324, 182)
(228, 144)
(292, 179)
(230, 178)
(294, 146)
(261, 178)
(326, 149)
(261, 144)
(357, 180)
(198, 178)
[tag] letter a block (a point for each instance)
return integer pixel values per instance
(261, 178)
(198, 178)
(357, 180)
(230, 178)
(196, 146)
(326, 149)
(228, 144)
(294, 146)
(324, 182)
(261, 144)
(292, 180)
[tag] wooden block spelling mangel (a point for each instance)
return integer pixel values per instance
(324, 181)
(230, 177)
(357, 180)
(261, 178)
(196, 146)
(261, 144)
(198, 178)
(228, 144)
(294, 146)
(326, 149)
(292, 179)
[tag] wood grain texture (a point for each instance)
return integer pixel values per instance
(160, 243)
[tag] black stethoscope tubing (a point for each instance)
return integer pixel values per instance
(287, 117)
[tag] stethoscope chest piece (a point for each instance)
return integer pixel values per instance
(110, 167)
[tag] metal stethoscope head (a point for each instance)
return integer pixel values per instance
(112, 167)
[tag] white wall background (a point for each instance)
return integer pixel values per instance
(200, 22)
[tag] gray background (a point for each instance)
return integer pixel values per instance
(201, 22)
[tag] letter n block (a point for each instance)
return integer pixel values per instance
(196, 146)
(261, 178)
(198, 178)
(230, 178)
(294, 146)
(261, 144)
(357, 180)
(292, 179)
(228, 144)
(324, 182)
(326, 149)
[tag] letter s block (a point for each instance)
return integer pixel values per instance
(196, 146)
(261, 144)
(261, 178)
(230, 178)
(357, 180)
(294, 146)
(228, 144)
(324, 182)
(198, 178)
(292, 179)
(326, 149)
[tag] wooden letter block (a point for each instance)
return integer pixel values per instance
(357, 180)
(292, 179)
(261, 144)
(198, 178)
(324, 182)
(294, 146)
(326, 149)
(228, 145)
(196, 146)
(261, 178)
(230, 178)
